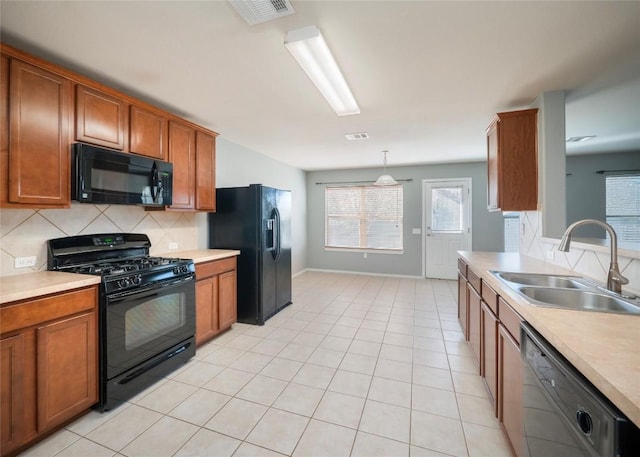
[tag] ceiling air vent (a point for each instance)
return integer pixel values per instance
(257, 11)
(357, 136)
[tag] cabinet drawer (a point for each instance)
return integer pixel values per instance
(462, 268)
(204, 270)
(474, 280)
(34, 312)
(490, 297)
(509, 319)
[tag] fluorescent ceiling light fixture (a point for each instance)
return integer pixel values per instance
(311, 52)
(385, 179)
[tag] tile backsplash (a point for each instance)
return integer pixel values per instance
(593, 263)
(24, 232)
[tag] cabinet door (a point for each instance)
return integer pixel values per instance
(474, 323)
(39, 149)
(67, 364)
(493, 195)
(489, 327)
(206, 309)
(182, 154)
(227, 302)
(463, 306)
(100, 118)
(12, 387)
(510, 389)
(206, 172)
(148, 131)
(4, 130)
(512, 161)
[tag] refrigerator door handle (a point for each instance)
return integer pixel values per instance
(276, 234)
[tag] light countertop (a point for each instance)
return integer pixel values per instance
(30, 285)
(203, 255)
(604, 347)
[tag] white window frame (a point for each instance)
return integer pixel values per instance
(364, 218)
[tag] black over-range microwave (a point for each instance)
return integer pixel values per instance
(102, 176)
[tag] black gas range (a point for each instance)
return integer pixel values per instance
(146, 309)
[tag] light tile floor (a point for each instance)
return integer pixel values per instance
(358, 366)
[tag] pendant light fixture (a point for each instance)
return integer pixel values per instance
(385, 179)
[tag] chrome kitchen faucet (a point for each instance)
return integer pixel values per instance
(614, 278)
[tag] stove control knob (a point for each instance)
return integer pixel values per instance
(136, 280)
(126, 282)
(181, 269)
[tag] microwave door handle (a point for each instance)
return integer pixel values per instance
(154, 182)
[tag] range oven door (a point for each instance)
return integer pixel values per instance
(139, 325)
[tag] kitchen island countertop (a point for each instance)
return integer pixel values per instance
(604, 347)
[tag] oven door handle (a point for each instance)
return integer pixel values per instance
(150, 288)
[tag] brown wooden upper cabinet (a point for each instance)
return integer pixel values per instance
(39, 120)
(38, 155)
(182, 154)
(148, 133)
(513, 161)
(206, 171)
(101, 118)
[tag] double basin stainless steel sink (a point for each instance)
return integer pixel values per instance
(569, 292)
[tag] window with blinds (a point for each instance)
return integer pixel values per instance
(364, 217)
(511, 231)
(623, 206)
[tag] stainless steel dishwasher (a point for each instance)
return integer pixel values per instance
(564, 415)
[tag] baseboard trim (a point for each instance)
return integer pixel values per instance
(295, 275)
(362, 273)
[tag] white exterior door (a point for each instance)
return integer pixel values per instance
(447, 225)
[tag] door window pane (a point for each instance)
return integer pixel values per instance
(446, 210)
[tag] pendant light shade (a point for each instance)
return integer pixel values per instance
(385, 179)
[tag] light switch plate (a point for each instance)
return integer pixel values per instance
(416, 231)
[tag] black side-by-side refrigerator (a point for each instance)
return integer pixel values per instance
(257, 221)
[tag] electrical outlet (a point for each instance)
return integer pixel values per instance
(25, 262)
(550, 255)
(173, 246)
(364, 255)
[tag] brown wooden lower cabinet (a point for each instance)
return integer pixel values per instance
(12, 374)
(489, 368)
(474, 323)
(510, 384)
(492, 328)
(67, 369)
(49, 371)
(463, 305)
(216, 292)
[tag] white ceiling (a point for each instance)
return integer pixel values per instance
(428, 76)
